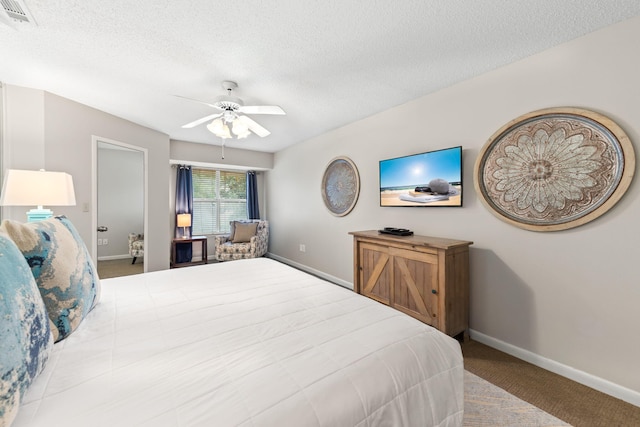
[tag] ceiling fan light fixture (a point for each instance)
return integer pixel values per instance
(216, 126)
(219, 128)
(225, 134)
(240, 128)
(244, 135)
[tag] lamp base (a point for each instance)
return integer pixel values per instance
(38, 214)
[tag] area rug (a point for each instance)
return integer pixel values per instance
(488, 405)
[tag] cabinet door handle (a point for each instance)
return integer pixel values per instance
(433, 291)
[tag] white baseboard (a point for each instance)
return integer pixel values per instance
(112, 257)
(310, 270)
(597, 383)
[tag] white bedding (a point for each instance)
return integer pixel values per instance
(248, 343)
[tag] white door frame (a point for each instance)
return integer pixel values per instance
(94, 191)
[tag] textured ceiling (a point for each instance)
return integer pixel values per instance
(326, 63)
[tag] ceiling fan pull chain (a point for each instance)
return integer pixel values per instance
(222, 148)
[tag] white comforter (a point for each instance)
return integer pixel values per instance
(248, 343)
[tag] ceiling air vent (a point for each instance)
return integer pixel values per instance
(16, 11)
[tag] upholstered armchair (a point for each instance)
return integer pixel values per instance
(136, 246)
(244, 241)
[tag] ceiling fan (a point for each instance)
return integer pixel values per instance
(230, 118)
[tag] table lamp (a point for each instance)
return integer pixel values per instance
(184, 221)
(37, 188)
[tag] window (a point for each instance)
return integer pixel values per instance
(218, 197)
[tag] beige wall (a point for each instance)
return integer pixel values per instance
(43, 130)
(564, 300)
(189, 152)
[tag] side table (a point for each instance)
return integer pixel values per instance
(190, 240)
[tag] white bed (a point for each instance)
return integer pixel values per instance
(248, 343)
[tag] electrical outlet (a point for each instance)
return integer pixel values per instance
(99, 242)
(302, 248)
(105, 241)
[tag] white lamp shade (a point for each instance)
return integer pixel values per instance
(215, 126)
(37, 188)
(221, 128)
(184, 220)
(225, 134)
(240, 127)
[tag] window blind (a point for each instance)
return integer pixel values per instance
(219, 197)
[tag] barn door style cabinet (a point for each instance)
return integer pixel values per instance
(424, 277)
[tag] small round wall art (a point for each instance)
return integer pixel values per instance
(554, 169)
(340, 186)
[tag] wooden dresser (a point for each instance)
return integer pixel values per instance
(424, 277)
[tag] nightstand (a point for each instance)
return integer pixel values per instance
(182, 240)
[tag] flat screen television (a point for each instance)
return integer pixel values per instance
(433, 178)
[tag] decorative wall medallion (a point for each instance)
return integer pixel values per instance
(340, 186)
(554, 169)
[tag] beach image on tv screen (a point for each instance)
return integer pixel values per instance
(427, 179)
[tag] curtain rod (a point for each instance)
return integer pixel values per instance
(231, 169)
(215, 165)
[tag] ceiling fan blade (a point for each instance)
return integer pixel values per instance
(197, 100)
(254, 127)
(202, 120)
(261, 109)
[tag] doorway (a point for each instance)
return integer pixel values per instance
(120, 200)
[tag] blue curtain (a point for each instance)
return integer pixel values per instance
(184, 204)
(253, 210)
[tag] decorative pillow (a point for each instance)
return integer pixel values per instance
(62, 267)
(232, 228)
(244, 231)
(25, 337)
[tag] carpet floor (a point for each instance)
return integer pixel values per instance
(561, 397)
(488, 405)
(119, 267)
